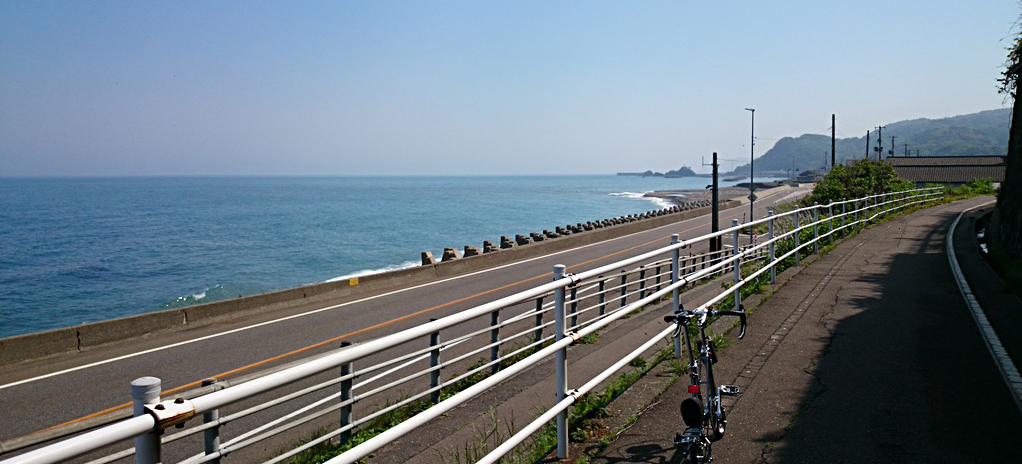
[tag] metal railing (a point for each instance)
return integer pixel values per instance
(463, 354)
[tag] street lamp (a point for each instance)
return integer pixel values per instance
(752, 160)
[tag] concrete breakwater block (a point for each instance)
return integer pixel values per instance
(520, 240)
(450, 254)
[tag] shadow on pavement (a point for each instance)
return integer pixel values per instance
(905, 377)
(652, 453)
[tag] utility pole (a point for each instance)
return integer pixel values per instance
(833, 155)
(752, 160)
(906, 149)
(892, 144)
(880, 143)
(867, 144)
(714, 210)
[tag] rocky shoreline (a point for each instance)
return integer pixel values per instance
(696, 196)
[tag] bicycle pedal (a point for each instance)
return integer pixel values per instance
(690, 436)
(729, 390)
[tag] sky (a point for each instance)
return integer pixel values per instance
(127, 88)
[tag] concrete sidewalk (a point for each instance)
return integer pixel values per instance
(870, 355)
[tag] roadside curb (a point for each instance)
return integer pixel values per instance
(993, 343)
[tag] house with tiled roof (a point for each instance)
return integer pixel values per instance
(948, 170)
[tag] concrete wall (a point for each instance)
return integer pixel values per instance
(82, 337)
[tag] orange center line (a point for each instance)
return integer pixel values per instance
(367, 329)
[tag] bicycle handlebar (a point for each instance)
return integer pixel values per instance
(685, 315)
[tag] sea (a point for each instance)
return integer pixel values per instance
(76, 250)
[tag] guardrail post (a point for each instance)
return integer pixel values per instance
(816, 227)
(494, 341)
(830, 214)
(145, 391)
(642, 281)
(346, 384)
(539, 320)
(843, 204)
(797, 234)
(434, 361)
(211, 436)
(676, 293)
(658, 285)
(561, 363)
(624, 287)
(855, 211)
(773, 266)
(603, 295)
(737, 265)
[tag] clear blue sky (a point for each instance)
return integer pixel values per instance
(437, 87)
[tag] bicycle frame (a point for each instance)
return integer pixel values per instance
(702, 411)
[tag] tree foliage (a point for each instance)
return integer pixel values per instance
(865, 177)
(1009, 77)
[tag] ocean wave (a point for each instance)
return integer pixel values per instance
(638, 195)
(210, 294)
(365, 272)
(659, 202)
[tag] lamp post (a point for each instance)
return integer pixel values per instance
(752, 160)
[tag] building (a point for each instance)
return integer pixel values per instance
(948, 170)
(810, 176)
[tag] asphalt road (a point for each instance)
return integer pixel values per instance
(181, 359)
(869, 355)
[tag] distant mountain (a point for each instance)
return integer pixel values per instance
(979, 134)
(683, 171)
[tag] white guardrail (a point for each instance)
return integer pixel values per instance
(484, 346)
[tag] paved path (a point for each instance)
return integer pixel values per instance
(869, 355)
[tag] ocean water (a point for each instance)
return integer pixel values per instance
(75, 250)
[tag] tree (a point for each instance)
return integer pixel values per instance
(865, 177)
(1009, 201)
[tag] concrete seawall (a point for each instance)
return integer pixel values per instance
(82, 337)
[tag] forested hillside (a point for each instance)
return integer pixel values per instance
(983, 133)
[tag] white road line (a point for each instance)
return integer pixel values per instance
(295, 316)
(1008, 370)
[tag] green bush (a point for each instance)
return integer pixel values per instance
(980, 186)
(865, 177)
